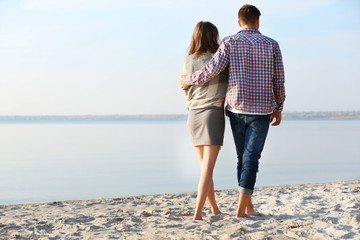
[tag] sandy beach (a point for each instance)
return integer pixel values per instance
(309, 211)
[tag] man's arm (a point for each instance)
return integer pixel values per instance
(218, 63)
(279, 80)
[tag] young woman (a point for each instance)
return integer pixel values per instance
(206, 121)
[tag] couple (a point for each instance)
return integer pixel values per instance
(244, 75)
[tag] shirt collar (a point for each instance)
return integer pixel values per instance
(250, 30)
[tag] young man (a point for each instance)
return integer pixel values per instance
(254, 98)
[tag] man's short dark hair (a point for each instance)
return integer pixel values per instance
(249, 14)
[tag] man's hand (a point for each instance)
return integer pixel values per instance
(277, 117)
(182, 82)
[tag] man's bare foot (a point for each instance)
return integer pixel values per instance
(254, 214)
(244, 200)
(250, 207)
(245, 216)
(250, 211)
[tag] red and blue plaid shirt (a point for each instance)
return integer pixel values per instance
(256, 72)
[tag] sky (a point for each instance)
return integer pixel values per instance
(74, 57)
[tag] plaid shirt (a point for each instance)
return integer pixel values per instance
(256, 73)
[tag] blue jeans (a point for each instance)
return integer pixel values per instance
(249, 132)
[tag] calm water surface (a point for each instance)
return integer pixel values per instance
(53, 162)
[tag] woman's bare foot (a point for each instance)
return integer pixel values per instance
(240, 215)
(197, 216)
(215, 211)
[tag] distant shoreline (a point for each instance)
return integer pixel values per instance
(345, 115)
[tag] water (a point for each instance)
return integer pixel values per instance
(53, 162)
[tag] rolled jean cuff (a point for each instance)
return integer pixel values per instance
(245, 190)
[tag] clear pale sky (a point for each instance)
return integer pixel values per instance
(125, 57)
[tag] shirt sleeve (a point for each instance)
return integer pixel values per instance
(217, 64)
(279, 80)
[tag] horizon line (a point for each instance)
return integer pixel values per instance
(157, 114)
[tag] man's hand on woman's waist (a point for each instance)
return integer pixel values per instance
(182, 82)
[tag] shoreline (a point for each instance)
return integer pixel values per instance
(70, 201)
(306, 211)
(121, 118)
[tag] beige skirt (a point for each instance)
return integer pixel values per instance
(206, 126)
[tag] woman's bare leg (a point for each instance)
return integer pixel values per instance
(206, 185)
(211, 194)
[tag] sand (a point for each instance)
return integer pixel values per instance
(309, 211)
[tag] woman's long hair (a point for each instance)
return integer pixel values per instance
(204, 39)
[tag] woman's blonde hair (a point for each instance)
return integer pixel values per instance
(204, 39)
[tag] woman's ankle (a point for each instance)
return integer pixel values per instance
(215, 210)
(197, 217)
